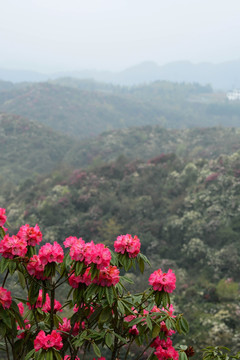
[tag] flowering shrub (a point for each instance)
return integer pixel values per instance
(99, 314)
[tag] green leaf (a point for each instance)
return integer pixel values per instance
(29, 355)
(5, 316)
(49, 355)
(125, 278)
(105, 315)
(101, 292)
(141, 265)
(135, 321)
(33, 292)
(67, 260)
(109, 295)
(149, 322)
(145, 259)
(78, 268)
(2, 232)
(168, 323)
(22, 280)
(177, 325)
(17, 315)
(96, 350)
(3, 264)
(57, 355)
(165, 299)
(12, 266)
(155, 331)
(121, 307)
(114, 260)
(94, 271)
(120, 337)
(55, 320)
(108, 340)
(3, 329)
(92, 289)
(182, 356)
(184, 325)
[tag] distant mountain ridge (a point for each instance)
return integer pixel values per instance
(222, 76)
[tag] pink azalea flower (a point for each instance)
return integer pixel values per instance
(23, 332)
(127, 244)
(77, 250)
(5, 298)
(36, 268)
(47, 305)
(70, 241)
(101, 256)
(43, 341)
(108, 276)
(51, 253)
(65, 326)
(3, 217)
(163, 281)
(32, 235)
(134, 330)
(74, 281)
(11, 247)
(21, 308)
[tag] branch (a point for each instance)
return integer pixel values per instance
(52, 307)
(5, 278)
(145, 349)
(7, 348)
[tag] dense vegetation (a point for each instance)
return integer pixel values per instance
(29, 148)
(88, 109)
(186, 214)
(177, 189)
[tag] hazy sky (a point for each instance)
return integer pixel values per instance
(53, 35)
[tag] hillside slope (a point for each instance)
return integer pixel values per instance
(28, 148)
(87, 113)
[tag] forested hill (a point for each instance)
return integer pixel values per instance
(186, 213)
(29, 148)
(177, 188)
(84, 110)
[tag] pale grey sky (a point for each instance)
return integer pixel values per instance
(54, 35)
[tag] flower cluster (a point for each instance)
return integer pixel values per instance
(13, 246)
(163, 347)
(27, 325)
(127, 244)
(74, 280)
(46, 307)
(167, 332)
(3, 217)
(32, 235)
(107, 277)
(134, 330)
(66, 327)
(51, 253)
(89, 253)
(43, 341)
(5, 298)
(163, 281)
(36, 268)
(165, 350)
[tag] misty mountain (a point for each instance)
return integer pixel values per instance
(17, 76)
(222, 76)
(87, 113)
